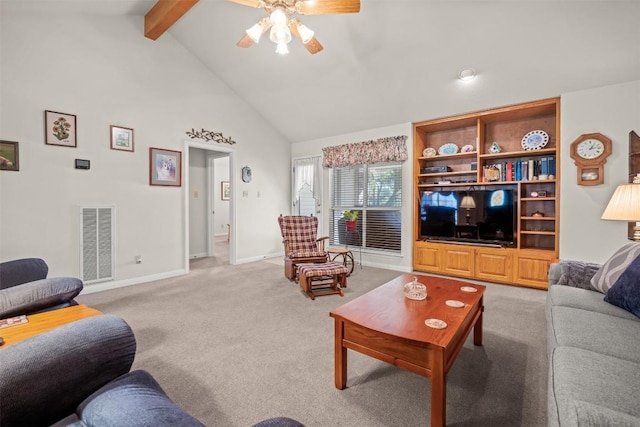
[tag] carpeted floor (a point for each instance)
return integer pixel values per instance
(237, 344)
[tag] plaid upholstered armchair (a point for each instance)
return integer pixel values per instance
(301, 245)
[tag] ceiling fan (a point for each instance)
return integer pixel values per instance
(283, 24)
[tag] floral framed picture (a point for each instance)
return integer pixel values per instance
(225, 190)
(9, 156)
(121, 138)
(60, 129)
(165, 167)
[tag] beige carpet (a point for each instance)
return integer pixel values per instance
(236, 344)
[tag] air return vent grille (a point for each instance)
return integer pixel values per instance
(96, 243)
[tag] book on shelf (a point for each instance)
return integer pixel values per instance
(524, 170)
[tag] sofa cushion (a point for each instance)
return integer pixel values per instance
(134, 396)
(614, 267)
(610, 335)
(38, 295)
(625, 293)
(585, 386)
(584, 299)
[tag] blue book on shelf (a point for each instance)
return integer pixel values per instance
(518, 170)
(544, 166)
(552, 165)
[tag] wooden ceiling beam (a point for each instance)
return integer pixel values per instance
(163, 15)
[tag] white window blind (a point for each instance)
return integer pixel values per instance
(375, 191)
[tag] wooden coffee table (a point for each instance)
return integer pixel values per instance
(387, 326)
(43, 322)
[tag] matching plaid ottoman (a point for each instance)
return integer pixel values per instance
(328, 277)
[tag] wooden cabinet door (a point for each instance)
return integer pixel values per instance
(532, 268)
(427, 257)
(494, 265)
(458, 260)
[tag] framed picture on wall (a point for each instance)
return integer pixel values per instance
(60, 129)
(225, 190)
(121, 138)
(165, 167)
(9, 156)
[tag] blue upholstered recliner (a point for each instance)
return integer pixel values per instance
(25, 289)
(79, 375)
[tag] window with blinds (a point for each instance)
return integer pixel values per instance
(375, 191)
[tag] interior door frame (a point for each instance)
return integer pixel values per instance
(186, 192)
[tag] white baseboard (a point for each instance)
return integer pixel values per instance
(392, 267)
(258, 258)
(105, 286)
(200, 255)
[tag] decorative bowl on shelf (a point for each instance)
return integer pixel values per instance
(449, 148)
(429, 152)
(469, 148)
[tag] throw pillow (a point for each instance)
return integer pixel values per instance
(614, 267)
(577, 274)
(625, 293)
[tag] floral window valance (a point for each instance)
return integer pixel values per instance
(382, 150)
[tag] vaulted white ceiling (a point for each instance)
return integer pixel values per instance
(397, 60)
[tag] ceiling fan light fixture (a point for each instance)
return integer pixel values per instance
(282, 48)
(278, 17)
(280, 34)
(255, 32)
(306, 34)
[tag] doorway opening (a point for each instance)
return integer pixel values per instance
(209, 205)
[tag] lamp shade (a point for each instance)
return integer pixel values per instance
(624, 204)
(468, 202)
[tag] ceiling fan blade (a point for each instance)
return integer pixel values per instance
(252, 3)
(313, 46)
(325, 7)
(245, 41)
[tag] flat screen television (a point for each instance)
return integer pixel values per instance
(484, 216)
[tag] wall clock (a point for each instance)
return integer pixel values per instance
(589, 152)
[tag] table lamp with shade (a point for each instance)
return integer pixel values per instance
(625, 205)
(468, 203)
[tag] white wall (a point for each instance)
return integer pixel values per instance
(102, 69)
(221, 207)
(314, 148)
(613, 111)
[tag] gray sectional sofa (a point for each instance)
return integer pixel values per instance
(593, 347)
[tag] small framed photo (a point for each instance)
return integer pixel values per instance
(9, 160)
(121, 138)
(225, 190)
(60, 129)
(165, 167)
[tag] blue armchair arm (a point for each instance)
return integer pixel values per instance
(21, 271)
(44, 378)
